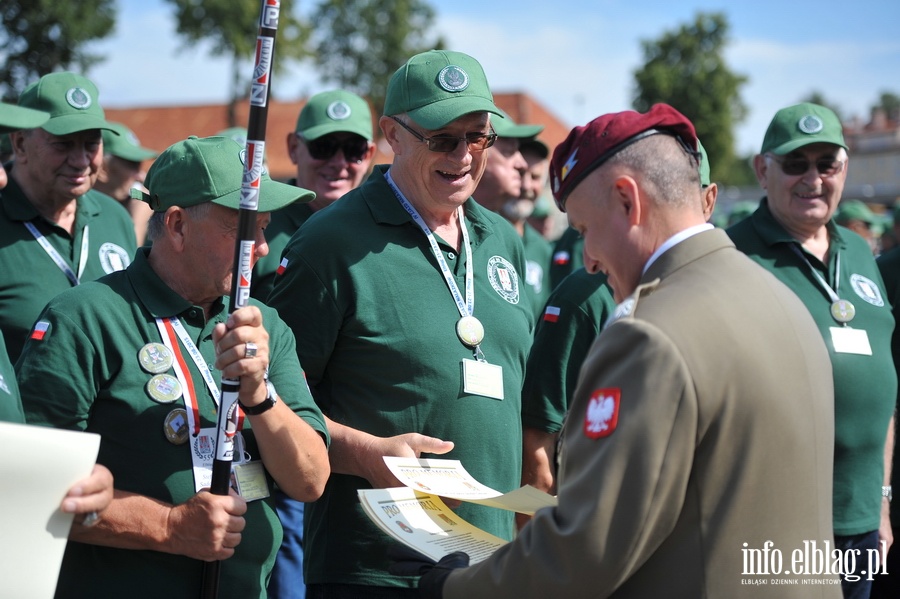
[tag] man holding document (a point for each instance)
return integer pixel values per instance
(701, 428)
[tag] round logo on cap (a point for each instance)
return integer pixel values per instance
(453, 79)
(79, 98)
(811, 124)
(338, 111)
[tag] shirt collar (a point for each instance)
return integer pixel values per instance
(675, 240)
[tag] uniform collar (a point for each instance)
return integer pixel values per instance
(157, 297)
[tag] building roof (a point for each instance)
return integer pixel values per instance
(158, 127)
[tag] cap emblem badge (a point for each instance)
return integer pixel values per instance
(79, 98)
(338, 111)
(453, 79)
(810, 124)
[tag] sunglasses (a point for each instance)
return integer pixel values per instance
(827, 167)
(475, 142)
(354, 148)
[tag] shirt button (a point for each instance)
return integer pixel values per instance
(451, 255)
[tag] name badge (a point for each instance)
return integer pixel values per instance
(249, 480)
(482, 378)
(203, 451)
(850, 341)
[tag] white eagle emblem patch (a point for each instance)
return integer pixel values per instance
(602, 413)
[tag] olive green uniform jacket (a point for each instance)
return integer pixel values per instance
(722, 436)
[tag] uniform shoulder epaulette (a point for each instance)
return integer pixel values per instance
(629, 305)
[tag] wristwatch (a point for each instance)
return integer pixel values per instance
(264, 405)
(887, 493)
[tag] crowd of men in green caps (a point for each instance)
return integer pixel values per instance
(689, 392)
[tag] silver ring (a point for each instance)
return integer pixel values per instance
(249, 350)
(90, 519)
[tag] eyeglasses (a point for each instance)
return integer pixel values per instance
(323, 148)
(827, 167)
(475, 142)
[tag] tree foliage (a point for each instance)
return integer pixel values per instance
(43, 36)
(686, 69)
(889, 102)
(817, 97)
(360, 43)
(231, 26)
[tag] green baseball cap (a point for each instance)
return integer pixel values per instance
(505, 126)
(210, 169)
(335, 111)
(121, 141)
(704, 166)
(854, 210)
(800, 125)
(72, 101)
(14, 118)
(437, 87)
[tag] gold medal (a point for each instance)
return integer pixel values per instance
(470, 331)
(843, 311)
(175, 426)
(155, 358)
(163, 388)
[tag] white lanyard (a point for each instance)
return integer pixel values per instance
(467, 307)
(60, 261)
(168, 329)
(832, 293)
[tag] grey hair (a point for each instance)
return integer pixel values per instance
(156, 226)
(669, 172)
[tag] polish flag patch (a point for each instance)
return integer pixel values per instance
(40, 329)
(561, 258)
(551, 314)
(282, 266)
(602, 413)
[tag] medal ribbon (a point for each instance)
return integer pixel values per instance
(171, 330)
(59, 260)
(467, 307)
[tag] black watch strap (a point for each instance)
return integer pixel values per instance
(265, 405)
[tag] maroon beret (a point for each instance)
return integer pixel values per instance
(587, 147)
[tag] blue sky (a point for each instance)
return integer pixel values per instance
(575, 57)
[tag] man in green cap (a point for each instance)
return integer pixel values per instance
(406, 300)
(137, 357)
(332, 147)
(122, 169)
(57, 231)
(93, 494)
(803, 166)
(859, 218)
(500, 191)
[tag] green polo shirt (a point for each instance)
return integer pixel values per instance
(10, 402)
(889, 266)
(283, 224)
(537, 263)
(574, 316)
(29, 277)
(85, 375)
(567, 256)
(376, 333)
(865, 387)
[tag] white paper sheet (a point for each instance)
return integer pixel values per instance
(448, 478)
(38, 467)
